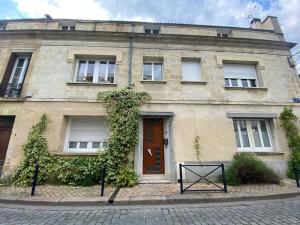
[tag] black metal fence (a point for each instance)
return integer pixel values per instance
(36, 172)
(204, 177)
(296, 170)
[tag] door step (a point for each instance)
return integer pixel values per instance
(154, 179)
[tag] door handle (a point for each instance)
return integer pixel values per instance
(149, 151)
(166, 142)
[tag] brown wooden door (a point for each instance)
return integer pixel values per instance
(153, 147)
(6, 124)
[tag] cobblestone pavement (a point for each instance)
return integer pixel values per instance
(281, 211)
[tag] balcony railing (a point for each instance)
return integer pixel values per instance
(13, 90)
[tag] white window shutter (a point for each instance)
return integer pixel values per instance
(239, 71)
(190, 70)
(88, 129)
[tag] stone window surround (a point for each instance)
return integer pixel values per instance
(73, 54)
(5, 54)
(272, 117)
(259, 65)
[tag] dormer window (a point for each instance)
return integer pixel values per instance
(64, 27)
(2, 26)
(151, 29)
(224, 32)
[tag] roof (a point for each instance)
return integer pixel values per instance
(132, 22)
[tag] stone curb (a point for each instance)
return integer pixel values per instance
(142, 200)
(192, 199)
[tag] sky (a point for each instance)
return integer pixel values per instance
(207, 12)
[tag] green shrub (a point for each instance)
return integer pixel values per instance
(126, 177)
(288, 121)
(35, 150)
(78, 171)
(247, 169)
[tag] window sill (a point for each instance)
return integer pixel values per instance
(193, 82)
(247, 88)
(12, 99)
(77, 154)
(263, 153)
(90, 84)
(153, 81)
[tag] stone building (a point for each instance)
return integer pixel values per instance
(225, 85)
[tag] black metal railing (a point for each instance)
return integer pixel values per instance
(13, 90)
(202, 177)
(34, 178)
(296, 170)
(36, 172)
(102, 180)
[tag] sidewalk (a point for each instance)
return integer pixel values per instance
(142, 194)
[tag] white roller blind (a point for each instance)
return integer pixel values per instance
(239, 71)
(88, 129)
(190, 70)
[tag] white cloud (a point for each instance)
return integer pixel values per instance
(73, 9)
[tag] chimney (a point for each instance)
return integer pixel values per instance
(270, 23)
(256, 23)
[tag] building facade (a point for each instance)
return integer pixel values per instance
(224, 86)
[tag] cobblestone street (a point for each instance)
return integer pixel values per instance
(281, 211)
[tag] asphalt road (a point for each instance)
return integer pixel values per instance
(281, 211)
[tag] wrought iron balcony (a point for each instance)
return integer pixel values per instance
(13, 90)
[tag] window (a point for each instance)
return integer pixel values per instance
(17, 76)
(151, 29)
(95, 71)
(64, 27)
(86, 134)
(252, 135)
(152, 71)
(240, 75)
(2, 27)
(224, 32)
(190, 70)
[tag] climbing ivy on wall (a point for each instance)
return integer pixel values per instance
(81, 170)
(123, 113)
(288, 121)
(35, 150)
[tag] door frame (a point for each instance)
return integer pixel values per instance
(170, 170)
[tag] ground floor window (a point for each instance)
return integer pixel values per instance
(253, 134)
(86, 134)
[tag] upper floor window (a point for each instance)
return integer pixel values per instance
(15, 74)
(190, 70)
(224, 32)
(86, 134)
(65, 27)
(2, 26)
(95, 71)
(252, 135)
(240, 75)
(151, 29)
(153, 71)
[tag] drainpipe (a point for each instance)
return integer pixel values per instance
(130, 57)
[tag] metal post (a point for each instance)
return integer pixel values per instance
(224, 178)
(34, 178)
(296, 175)
(181, 181)
(102, 181)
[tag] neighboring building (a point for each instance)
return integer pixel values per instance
(226, 85)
